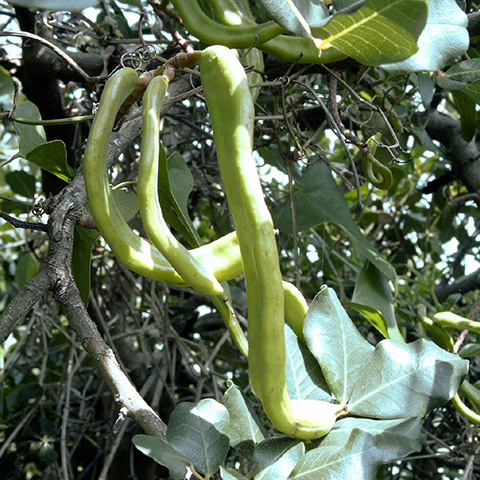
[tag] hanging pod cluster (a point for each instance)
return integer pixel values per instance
(252, 249)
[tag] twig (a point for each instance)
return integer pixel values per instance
(41, 227)
(56, 49)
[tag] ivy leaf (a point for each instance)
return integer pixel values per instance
(336, 343)
(380, 31)
(444, 38)
(406, 380)
(200, 433)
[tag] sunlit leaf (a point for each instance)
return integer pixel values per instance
(381, 31)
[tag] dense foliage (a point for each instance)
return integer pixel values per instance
(369, 164)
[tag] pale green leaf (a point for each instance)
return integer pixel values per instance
(126, 202)
(336, 343)
(29, 136)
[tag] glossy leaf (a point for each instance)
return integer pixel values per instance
(29, 136)
(358, 459)
(304, 376)
(276, 457)
(52, 157)
(372, 289)
(336, 343)
(206, 426)
(466, 107)
(163, 453)
(245, 427)
(312, 12)
(406, 380)
(444, 38)
(381, 31)
(317, 200)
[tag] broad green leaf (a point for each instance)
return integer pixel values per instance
(372, 289)
(358, 459)
(336, 343)
(466, 107)
(52, 156)
(21, 183)
(444, 38)
(29, 136)
(312, 12)
(381, 31)
(200, 433)
(175, 182)
(276, 457)
(245, 427)
(395, 438)
(371, 314)
(163, 453)
(127, 203)
(58, 5)
(317, 200)
(83, 241)
(304, 376)
(6, 83)
(406, 380)
(26, 270)
(231, 474)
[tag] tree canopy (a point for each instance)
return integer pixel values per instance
(335, 334)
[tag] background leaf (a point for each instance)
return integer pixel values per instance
(317, 200)
(406, 380)
(29, 136)
(127, 203)
(205, 425)
(336, 343)
(21, 183)
(52, 156)
(70, 5)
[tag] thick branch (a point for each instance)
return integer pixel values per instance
(462, 285)
(464, 156)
